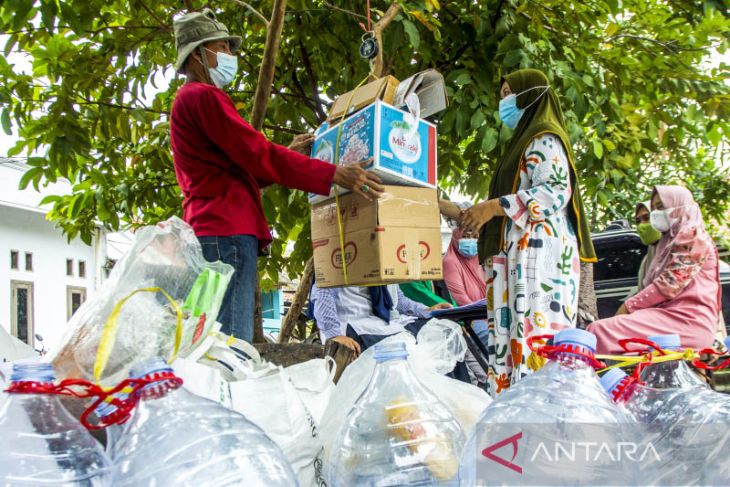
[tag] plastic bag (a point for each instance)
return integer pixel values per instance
(161, 299)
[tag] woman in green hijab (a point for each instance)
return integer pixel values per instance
(533, 231)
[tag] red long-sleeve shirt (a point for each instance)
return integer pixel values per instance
(221, 162)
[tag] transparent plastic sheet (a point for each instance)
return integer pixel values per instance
(439, 347)
(166, 257)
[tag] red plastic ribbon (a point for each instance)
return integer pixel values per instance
(551, 352)
(709, 351)
(650, 346)
(131, 390)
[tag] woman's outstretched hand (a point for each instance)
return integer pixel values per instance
(474, 218)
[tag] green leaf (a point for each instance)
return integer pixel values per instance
(31, 174)
(5, 118)
(609, 145)
(598, 148)
(513, 58)
(412, 32)
(51, 198)
(477, 119)
(49, 9)
(489, 142)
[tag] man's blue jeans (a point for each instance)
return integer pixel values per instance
(240, 251)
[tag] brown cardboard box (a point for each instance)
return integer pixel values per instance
(395, 239)
(380, 89)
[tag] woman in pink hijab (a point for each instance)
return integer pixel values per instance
(681, 293)
(463, 274)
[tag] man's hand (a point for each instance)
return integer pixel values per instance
(440, 306)
(475, 217)
(348, 342)
(622, 310)
(357, 179)
(302, 143)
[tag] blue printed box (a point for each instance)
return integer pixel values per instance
(402, 146)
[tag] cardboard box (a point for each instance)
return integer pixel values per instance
(403, 147)
(352, 101)
(395, 239)
(429, 86)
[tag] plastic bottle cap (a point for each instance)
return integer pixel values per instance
(390, 351)
(611, 379)
(104, 409)
(33, 372)
(575, 336)
(666, 342)
(149, 366)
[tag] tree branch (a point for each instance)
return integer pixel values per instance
(154, 15)
(321, 116)
(254, 11)
(300, 88)
(377, 64)
(268, 64)
(189, 5)
(348, 12)
(286, 130)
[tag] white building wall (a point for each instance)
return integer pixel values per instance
(24, 228)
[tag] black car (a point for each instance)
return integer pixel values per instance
(620, 253)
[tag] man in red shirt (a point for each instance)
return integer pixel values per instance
(221, 162)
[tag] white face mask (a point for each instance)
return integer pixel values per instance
(226, 70)
(660, 219)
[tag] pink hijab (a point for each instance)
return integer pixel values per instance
(464, 276)
(687, 228)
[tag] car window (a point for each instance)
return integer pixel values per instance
(618, 260)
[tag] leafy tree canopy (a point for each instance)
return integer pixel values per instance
(642, 104)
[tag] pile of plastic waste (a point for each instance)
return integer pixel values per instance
(686, 421)
(182, 404)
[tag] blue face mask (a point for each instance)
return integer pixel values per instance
(468, 247)
(508, 111)
(224, 73)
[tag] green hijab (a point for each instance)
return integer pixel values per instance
(543, 114)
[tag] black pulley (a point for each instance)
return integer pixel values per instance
(368, 47)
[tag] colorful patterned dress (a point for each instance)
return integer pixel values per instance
(532, 284)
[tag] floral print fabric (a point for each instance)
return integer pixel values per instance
(532, 284)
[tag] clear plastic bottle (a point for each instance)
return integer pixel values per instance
(397, 433)
(559, 406)
(689, 427)
(42, 444)
(113, 431)
(671, 374)
(177, 438)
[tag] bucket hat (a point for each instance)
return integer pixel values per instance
(196, 28)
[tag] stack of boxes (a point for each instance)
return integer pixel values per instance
(396, 238)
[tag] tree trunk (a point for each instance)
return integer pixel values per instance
(268, 65)
(297, 303)
(258, 113)
(587, 304)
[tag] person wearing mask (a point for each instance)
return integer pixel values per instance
(533, 230)
(648, 235)
(221, 162)
(463, 274)
(681, 291)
